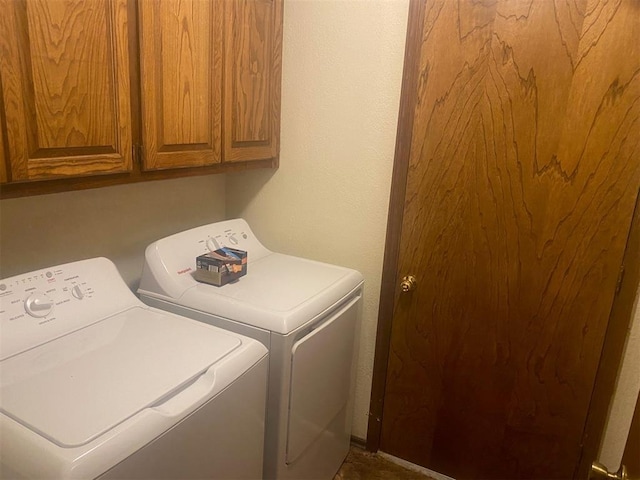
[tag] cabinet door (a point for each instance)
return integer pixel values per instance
(253, 53)
(64, 69)
(181, 77)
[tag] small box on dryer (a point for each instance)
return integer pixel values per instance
(221, 266)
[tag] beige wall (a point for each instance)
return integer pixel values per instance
(114, 222)
(625, 397)
(342, 69)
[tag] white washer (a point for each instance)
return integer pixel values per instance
(305, 312)
(95, 384)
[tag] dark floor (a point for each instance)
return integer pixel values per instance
(362, 465)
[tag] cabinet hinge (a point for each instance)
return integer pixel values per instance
(620, 278)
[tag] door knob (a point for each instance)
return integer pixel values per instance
(600, 472)
(408, 283)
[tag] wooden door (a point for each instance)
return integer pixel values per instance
(64, 70)
(181, 81)
(523, 172)
(253, 66)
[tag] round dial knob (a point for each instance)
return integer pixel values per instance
(212, 244)
(77, 292)
(38, 305)
(233, 240)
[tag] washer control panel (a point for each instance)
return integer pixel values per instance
(39, 306)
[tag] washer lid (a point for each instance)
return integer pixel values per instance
(73, 389)
(279, 292)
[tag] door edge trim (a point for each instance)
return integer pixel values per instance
(404, 134)
(620, 319)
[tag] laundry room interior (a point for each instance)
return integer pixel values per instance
(328, 198)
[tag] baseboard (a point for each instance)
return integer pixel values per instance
(359, 442)
(414, 467)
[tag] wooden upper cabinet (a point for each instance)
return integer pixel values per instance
(192, 115)
(253, 54)
(201, 90)
(64, 69)
(181, 82)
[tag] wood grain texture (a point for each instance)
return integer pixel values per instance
(181, 81)
(253, 65)
(66, 90)
(523, 176)
(68, 73)
(23, 189)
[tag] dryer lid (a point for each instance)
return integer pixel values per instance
(279, 293)
(280, 283)
(75, 388)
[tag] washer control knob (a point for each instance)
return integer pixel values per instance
(212, 244)
(38, 305)
(77, 292)
(233, 240)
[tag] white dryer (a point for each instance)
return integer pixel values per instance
(95, 384)
(305, 312)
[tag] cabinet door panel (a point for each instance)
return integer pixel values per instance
(66, 90)
(180, 47)
(253, 49)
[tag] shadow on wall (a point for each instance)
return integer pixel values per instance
(243, 188)
(114, 222)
